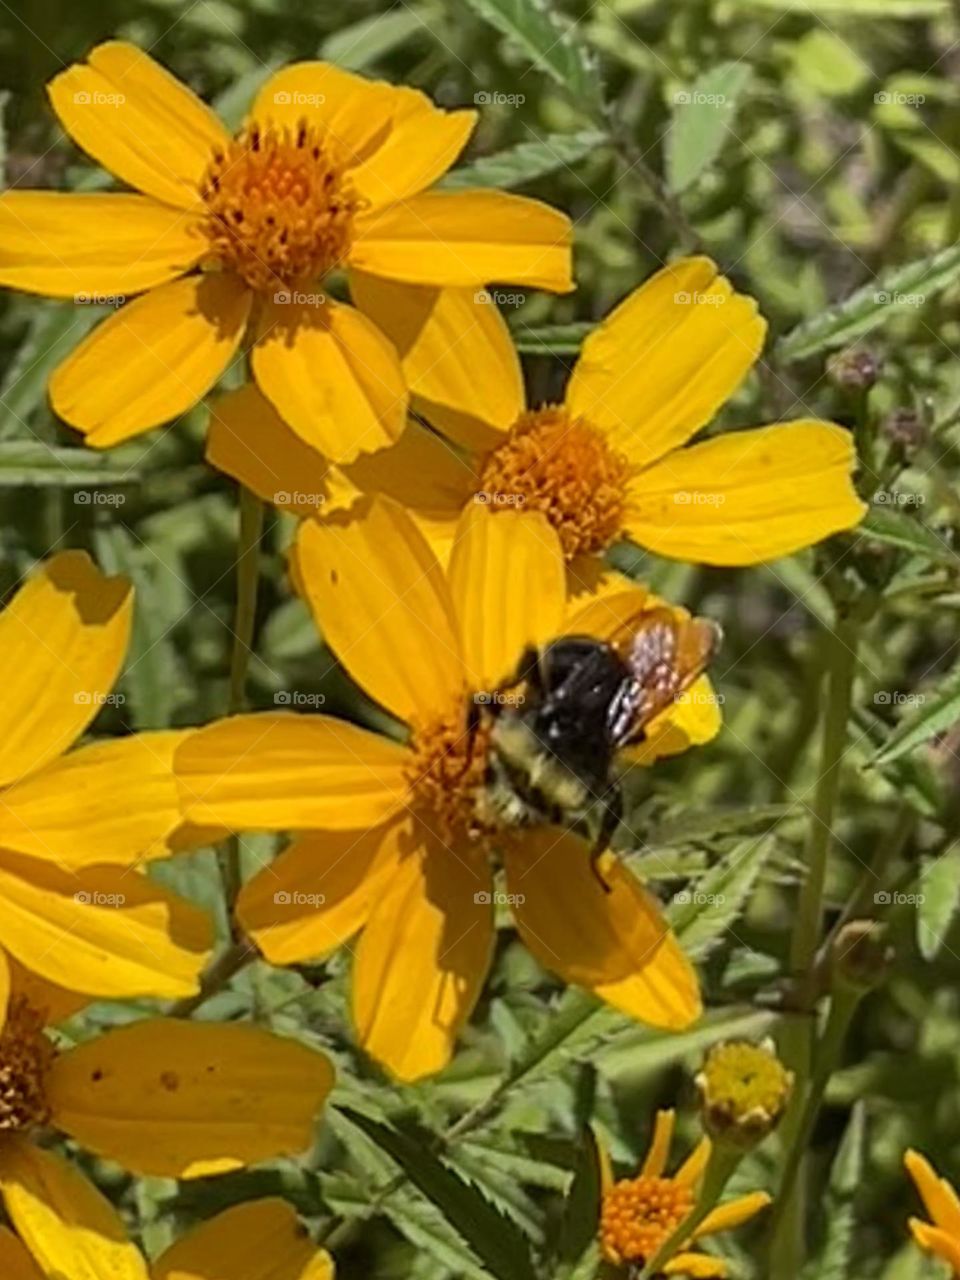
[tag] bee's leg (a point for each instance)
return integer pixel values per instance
(610, 817)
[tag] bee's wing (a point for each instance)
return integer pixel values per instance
(665, 654)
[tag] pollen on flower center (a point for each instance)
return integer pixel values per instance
(639, 1214)
(279, 209)
(26, 1055)
(448, 768)
(564, 467)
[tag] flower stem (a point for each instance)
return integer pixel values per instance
(720, 1168)
(248, 581)
(237, 956)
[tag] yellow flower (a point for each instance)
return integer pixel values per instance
(638, 1215)
(391, 841)
(73, 822)
(613, 460)
(77, 1234)
(941, 1236)
(237, 234)
(161, 1097)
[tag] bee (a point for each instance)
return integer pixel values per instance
(554, 747)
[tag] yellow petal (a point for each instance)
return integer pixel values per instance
(56, 1001)
(104, 931)
(92, 247)
(610, 938)
(70, 1228)
(15, 1262)
(663, 362)
(152, 360)
(284, 772)
(423, 958)
(319, 892)
(65, 635)
(747, 496)
(508, 586)
(656, 1158)
(138, 121)
(466, 238)
(691, 1171)
(184, 1099)
(699, 1266)
(259, 1240)
(422, 471)
(732, 1214)
(381, 602)
(110, 802)
(332, 375)
(939, 1197)
(421, 146)
(457, 354)
(247, 439)
(937, 1241)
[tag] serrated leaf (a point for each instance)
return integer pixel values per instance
(939, 889)
(937, 711)
(581, 1209)
(702, 915)
(846, 1179)
(898, 529)
(701, 120)
(502, 1249)
(873, 305)
(33, 462)
(526, 162)
(549, 41)
(551, 339)
(363, 43)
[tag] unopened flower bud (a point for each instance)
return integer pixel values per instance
(744, 1090)
(854, 370)
(904, 427)
(861, 955)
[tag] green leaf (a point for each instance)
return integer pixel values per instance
(526, 162)
(909, 533)
(937, 711)
(551, 339)
(549, 41)
(32, 462)
(939, 889)
(846, 1179)
(701, 120)
(853, 8)
(702, 914)
(55, 330)
(873, 305)
(581, 1209)
(363, 43)
(502, 1249)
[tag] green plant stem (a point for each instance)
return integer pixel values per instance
(796, 1041)
(237, 956)
(248, 581)
(720, 1168)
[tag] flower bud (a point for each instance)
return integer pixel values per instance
(744, 1090)
(860, 955)
(854, 370)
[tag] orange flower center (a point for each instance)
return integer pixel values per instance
(279, 208)
(638, 1215)
(564, 467)
(448, 769)
(26, 1056)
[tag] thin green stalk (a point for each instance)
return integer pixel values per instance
(720, 1168)
(248, 581)
(235, 958)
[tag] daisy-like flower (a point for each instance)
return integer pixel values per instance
(940, 1236)
(161, 1097)
(81, 1235)
(613, 460)
(73, 823)
(392, 841)
(638, 1215)
(235, 236)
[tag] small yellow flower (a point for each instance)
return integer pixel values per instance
(392, 842)
(245, 1242)
(639, 1215)
(941, 1236)
(744, 1090)
(613, 460)
(73, 823)
(236, 236)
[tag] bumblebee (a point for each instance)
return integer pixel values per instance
(554, 745)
